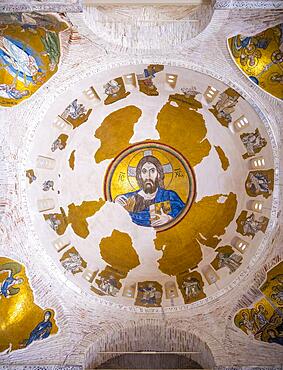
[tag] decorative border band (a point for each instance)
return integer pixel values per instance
(54, 7)
(244, 4)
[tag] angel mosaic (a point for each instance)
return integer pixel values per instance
(253, 143)
(10, 285)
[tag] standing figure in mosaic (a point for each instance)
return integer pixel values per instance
(258, 183)
(112, 88)
(47, 185)
(192, 287)
(247, 323)
(231, 261)
(149, 294)
(53, 222)
(277, 290)
(109, 285)
(253, 142)
(73, 263)
(260, 316)
(251, 226)
(226, 106)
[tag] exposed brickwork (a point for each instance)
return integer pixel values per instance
(87, 326)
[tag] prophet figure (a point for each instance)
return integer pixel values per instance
(149, 294)
(192, 287)
(251, 226)
(152, 204)
(258, 183)
(109, 286)
(57, 144)
(112, 88)
(74, 110)
(253, 142)
(231, 261)
(73, 263)
(47, 185)
(226, 106)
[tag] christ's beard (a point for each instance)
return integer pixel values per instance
(149, 187)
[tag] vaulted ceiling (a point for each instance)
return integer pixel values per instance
(140, 182)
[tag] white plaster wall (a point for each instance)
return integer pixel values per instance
(82, 322)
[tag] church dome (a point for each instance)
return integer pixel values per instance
(152, 186)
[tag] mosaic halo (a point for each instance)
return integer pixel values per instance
(178, 175)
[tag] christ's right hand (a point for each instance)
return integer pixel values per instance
(122, 200)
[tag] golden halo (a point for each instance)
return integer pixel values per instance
(179, 179)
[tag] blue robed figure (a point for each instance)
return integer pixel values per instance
(151, 205)
(42, 330)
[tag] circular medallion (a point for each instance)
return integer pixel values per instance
(153, 182)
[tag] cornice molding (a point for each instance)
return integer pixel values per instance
(40, 367)
(69, 6)
(248, 4)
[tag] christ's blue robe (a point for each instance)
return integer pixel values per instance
(142, 218)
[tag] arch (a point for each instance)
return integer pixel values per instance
(149, 335)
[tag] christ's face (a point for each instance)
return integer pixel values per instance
(149, 176)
